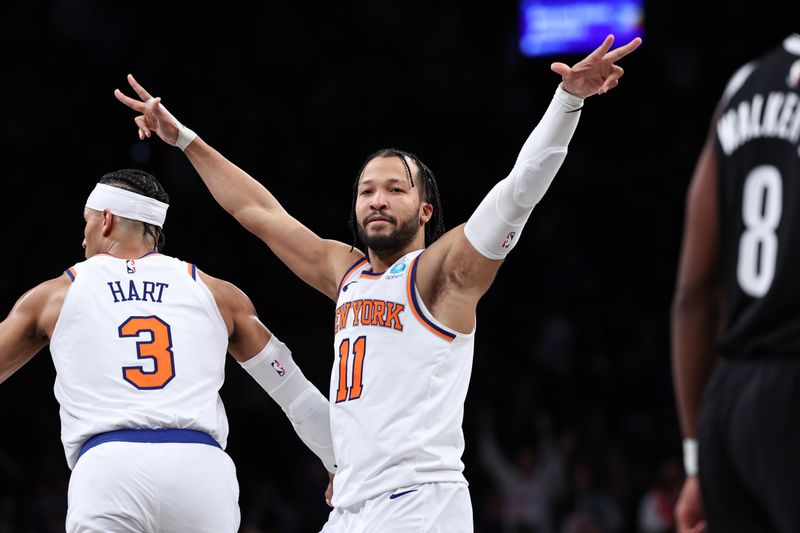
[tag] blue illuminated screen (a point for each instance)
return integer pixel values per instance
(549, 27)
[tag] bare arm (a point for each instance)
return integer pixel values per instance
(695, 317)
(247, 335)
(317, 261)
(269, 362)
(696, 305)
(28, 326)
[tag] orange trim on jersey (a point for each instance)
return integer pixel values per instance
(71, 272)
(192, 268)
(373, 275)
(412, 300)
(349, 272)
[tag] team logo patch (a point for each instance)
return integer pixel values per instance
(130, 264)
(278, 368)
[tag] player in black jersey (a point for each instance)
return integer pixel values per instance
(736, 312)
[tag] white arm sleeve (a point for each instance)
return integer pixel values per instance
(495, 226)
(307, 409)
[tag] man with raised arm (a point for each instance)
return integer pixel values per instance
(405, 310)
(139, 341)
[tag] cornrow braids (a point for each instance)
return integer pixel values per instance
(143, 183)
(429, 193)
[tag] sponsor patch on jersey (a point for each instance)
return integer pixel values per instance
(278, 368)
(130, 264)
(396, 271)
(399, 267)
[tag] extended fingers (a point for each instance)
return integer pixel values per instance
(143, 94)
(601, 50)
(136, 105)
(618, 53)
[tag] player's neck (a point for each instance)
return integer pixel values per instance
(381, 262)
(127, 250)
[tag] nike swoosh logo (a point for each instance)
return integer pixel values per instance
(344, 289)
(398, 494)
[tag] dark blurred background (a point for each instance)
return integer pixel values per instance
(570, 419)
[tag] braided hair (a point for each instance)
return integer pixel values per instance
(143, 183)
(429, 192)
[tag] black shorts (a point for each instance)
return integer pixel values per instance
(749, 447)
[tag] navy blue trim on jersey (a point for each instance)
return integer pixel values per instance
(412, 292)
(184, 436)
(348, 272)
(68, 272)
(194, 271)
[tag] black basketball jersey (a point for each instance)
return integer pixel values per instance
(757, 151)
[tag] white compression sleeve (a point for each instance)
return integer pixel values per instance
(307, 409)
(496, 224)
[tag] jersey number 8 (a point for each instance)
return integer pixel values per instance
(762, 206)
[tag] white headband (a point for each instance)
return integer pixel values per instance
(128, 204)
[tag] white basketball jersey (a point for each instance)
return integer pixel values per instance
(138, 344)
(398, 386)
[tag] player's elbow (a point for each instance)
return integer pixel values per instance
(690, 298)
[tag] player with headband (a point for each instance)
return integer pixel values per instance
(139, 341)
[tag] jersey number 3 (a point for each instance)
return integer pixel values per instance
(158, 348)
(344, 392)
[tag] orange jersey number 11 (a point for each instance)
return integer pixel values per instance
(158, 348)
(344, 392)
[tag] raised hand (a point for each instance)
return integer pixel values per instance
(597, 72)
(154, 117)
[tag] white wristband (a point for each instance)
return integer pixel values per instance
(690, 456)
(185, 137)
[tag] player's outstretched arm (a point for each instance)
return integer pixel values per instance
(317, 261)
(27, 327)
(269, 362)
(472, 253)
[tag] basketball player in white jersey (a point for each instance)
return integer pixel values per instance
(405, 314)
(139, 341)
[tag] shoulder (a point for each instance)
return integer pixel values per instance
(737, 81)
(345, 259)
(41, 305)
(46, 292)
(227, 295)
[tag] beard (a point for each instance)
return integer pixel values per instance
(394, 241)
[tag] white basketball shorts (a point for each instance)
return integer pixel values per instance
(160, 487)
(424, 508)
